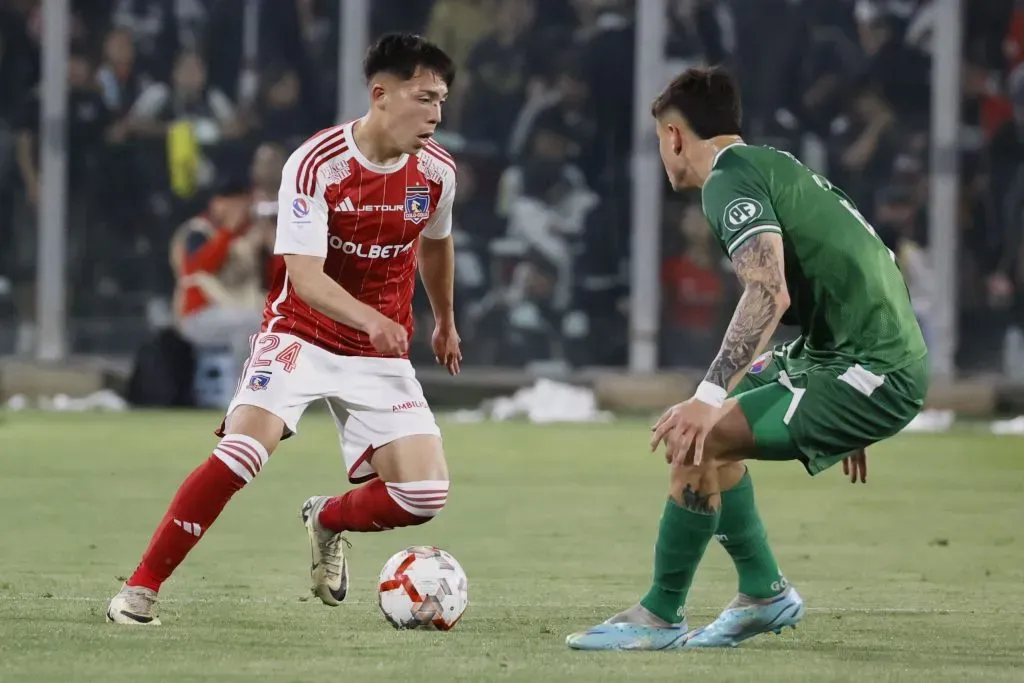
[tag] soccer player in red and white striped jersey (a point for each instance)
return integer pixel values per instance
(362, 205)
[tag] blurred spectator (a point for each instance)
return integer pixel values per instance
(900, 71)
(220, 259)
(866, 144)
(161, 29)
(499, 68)
(251, 42)
(549, 200)
(281, 116)
(458, 25)
(187, 98)
(569, 105)
(606, 50)
(19, 58)
(192, 116)
(899, 218)
(88, 120)
(694, 292)
(120, 82)
(187, 92)
(702, 31)
(1006, 161)
(265, 178)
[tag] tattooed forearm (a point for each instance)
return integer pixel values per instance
(759, 264)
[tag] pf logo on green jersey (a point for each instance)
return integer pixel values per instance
(739, 212)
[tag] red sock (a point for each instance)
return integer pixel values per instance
(379, 506)
(198, 502)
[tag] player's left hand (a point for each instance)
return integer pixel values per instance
(684, 425)
(445, 343)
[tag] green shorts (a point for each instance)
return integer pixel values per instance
(819, 413)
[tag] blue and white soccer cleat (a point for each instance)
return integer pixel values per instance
(626, 631)
(745, 618)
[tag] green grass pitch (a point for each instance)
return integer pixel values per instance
(917, 576)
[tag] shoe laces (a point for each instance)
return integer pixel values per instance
(140, 600)
(333, 556)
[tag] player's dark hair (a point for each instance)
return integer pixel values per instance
(708, 98)
(400, 54)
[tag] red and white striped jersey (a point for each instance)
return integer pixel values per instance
(366, 221)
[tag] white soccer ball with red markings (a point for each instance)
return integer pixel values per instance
(423, 587)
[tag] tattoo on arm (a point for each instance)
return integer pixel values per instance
(695, 501)
(759, 265)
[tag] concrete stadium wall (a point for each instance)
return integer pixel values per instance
(616, 390)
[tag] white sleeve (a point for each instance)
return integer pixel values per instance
(440, 224)
(301, 218)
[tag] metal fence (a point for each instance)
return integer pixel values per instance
(572, 252)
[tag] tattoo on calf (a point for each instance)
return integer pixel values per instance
(694, 501)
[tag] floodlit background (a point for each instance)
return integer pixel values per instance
(119, 118)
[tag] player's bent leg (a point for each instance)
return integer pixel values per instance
(687, 525)
(391, 442)
(411, 488)
(251, 435)
(766, 602)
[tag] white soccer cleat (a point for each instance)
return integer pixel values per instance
(329, 568)
(133, 606)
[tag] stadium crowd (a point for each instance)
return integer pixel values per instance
(181, 112)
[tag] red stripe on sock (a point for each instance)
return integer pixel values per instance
(245, 464)
(234, 450)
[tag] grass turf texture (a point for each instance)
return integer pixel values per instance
(915, 577)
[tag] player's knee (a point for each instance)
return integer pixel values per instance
(423, 499)
(256, 423)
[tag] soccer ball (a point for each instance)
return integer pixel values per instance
(422, 587)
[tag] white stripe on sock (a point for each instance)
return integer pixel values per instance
(244, 455)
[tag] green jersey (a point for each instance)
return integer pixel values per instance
(846, 291)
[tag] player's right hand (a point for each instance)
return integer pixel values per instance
(856, 467)
(387, 336)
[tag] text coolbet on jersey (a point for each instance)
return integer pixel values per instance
(365, 220)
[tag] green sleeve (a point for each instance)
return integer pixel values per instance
(738, 206)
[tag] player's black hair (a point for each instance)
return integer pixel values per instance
(708, 98)
(400, 54)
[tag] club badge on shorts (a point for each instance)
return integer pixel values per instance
(417, 204)
(259, 381)
(760, 363)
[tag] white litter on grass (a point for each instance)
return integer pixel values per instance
(1014, 427)
(104, 401)
(931, 421)
(545, 402)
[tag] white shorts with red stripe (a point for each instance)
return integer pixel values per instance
(374, 401)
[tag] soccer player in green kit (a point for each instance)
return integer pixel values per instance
(856, 375)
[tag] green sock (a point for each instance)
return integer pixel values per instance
(683, 536)
(742, 534)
